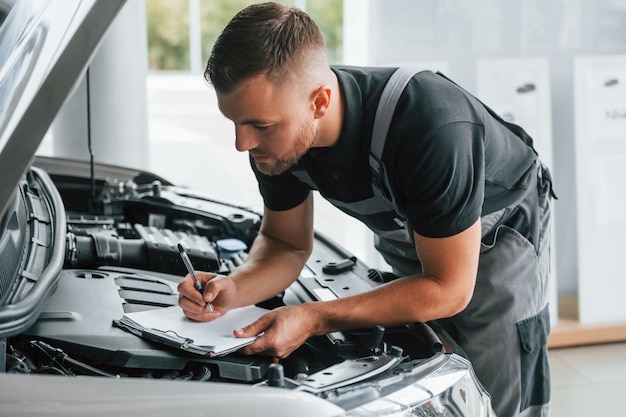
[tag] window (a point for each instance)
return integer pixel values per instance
(181, 34)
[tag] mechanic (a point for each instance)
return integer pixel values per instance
(469, 185)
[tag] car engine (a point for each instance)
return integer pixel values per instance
(121, 256)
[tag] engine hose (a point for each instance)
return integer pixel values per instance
(61, 358)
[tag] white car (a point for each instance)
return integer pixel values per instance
(82, 244)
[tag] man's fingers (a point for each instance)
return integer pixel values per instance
(197, 311)
(187, 291)
(259, 346)
(266, 344)
(253, 329)
(203, 315)
(211, 288)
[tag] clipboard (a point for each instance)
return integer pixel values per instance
(170, 327)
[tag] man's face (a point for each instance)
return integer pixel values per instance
(274, 123)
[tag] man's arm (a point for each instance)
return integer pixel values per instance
(277, 255)
(275, 260)
(443, 289)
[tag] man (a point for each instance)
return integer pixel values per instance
(469, 186)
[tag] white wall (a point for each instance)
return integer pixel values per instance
(116, 88)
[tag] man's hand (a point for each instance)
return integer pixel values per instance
(219, 290)
(284, 330)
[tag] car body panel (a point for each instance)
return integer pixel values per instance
(95, 396)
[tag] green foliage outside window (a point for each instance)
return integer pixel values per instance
(168, 28)
(168, 34)
(328, 14)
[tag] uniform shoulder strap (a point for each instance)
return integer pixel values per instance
(385, 110)
(382, 120)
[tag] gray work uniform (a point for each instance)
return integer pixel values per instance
(448, 162)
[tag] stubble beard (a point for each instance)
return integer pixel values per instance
(303, 144)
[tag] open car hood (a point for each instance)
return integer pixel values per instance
(45, 46)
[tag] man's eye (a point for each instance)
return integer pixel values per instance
(262, 127)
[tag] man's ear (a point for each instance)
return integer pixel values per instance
(320, 101)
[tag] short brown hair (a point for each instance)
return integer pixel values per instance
(266, 38)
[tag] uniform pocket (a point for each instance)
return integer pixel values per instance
(535, 371)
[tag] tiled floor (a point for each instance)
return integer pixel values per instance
(589, 381)
(191, 144)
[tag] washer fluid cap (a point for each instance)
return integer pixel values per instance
(230, 245)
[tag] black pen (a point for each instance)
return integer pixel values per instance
(189, 267)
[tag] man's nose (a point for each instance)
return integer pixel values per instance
(245, 139)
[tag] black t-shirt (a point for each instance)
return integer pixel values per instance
(449, 161)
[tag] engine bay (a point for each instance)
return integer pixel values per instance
(121, 256)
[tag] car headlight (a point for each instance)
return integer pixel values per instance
(451, 391)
